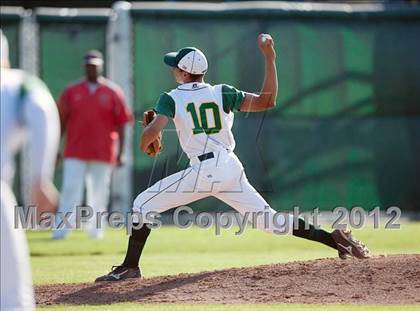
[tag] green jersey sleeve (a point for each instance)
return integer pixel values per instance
(32, 84)
(232, 98)
(165, 105)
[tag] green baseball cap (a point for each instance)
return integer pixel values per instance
(189, 59)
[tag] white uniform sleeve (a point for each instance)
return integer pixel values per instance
(42, 121)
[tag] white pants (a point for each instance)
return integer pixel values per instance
(98, 177)
(16, 280)
(222, 177)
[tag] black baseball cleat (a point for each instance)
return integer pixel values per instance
(120, 273)
(348, 246)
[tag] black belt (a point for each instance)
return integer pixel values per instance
(206, 156)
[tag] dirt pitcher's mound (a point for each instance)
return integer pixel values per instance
(391, 279)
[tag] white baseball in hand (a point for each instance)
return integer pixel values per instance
(265, 37)
(266, 45)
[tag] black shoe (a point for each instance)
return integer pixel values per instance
(348, 246)
(120, 273)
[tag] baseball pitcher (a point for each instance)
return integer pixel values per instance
(203, 115)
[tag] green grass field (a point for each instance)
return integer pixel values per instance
(171, 251)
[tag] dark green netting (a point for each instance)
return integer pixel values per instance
(10, 29)
(347, 126)
(62, 47)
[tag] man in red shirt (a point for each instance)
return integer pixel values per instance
(93, 114)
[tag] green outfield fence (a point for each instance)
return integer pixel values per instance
(10, 19)
(346, 131)
(63, 42)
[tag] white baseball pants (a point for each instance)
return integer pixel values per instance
(16, 280)
(98, 177)
(222, 177)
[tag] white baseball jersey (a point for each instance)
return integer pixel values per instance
(27, 111)
(203, 116)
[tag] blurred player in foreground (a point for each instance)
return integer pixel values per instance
(203, 116)
(93, 116)
(28, 113)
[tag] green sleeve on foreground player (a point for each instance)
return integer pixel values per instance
(232, 98)
(166, 106)
(32, 84)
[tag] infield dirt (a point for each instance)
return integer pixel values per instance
(379, 280)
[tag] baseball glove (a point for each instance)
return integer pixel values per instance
(156, 146)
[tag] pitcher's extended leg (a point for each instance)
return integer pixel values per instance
(173, 191)
(245, 199)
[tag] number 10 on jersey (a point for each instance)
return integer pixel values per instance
(201, 124)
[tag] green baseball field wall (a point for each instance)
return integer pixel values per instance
(10, 20)
(346, 129)
(63, 43)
